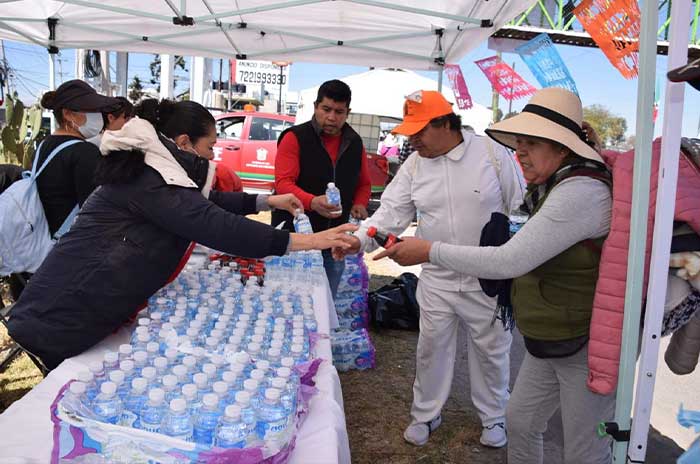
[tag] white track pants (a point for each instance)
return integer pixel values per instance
(488, 353)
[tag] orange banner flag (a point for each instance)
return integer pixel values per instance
(614, 26)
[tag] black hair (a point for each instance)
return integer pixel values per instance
(176, 118)
(120, 167)
(47, 102)
(336, 90)
(454, 120)
(125, 108)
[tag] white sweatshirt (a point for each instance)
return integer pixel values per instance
(455, 195)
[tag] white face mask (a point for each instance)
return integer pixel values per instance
(93, 125)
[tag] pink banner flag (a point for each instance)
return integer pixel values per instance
(459, 87)
(504, 79)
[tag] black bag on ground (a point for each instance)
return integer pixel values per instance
(394, 306)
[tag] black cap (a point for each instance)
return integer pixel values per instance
(689, 73)
(78, 95)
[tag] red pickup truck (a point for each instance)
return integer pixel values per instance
(247, 143)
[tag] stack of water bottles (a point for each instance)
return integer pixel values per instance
(212, 361)
(351, 344)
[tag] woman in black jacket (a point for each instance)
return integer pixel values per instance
(154, 199)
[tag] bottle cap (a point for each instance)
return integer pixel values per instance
(200, 379)
(125, 349)
(199, 352)
(178, 405)
(160, 362)
(331, 184)
(189, 361)
(180, 370)
(169, 381)
(371, 231)
(111, 357)
(139, 384)
(140, 357)
(272, 394)
(127, 365)
(278, 382)
(96, 367)
(189, 390)
(284, 372)
(229, 377)
(218, 360)
(108, 388)
(220, 387)
(210, 400)
(209, 369)
(171, 353)
(144, 321)
(263, 365)
(116, 376)
(273, 352)
(143, 337)
(148, 372)
(77, 388)
(233, 411)
(257, 374)
(152, 347)
(287, 362)
(156, 395)
(250, 385)
(243, 397)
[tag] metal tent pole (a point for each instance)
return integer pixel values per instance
(638, 224)
(52, 84)
(663, 229)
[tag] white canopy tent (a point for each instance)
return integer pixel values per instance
(409, 33)
(382, 92)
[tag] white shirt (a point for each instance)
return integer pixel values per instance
(455, 195)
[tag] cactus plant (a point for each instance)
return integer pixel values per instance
(22, 132)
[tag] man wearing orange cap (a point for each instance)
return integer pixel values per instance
(455, 180)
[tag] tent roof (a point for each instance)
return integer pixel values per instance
(382, 92)
(361, 32)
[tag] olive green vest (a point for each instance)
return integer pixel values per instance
(554, 301)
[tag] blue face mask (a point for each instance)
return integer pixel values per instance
(93, 125)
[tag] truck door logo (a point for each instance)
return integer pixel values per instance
(262, 154)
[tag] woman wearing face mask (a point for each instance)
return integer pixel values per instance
(153, 201)
(67, 180)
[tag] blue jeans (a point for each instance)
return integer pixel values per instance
(334, 270)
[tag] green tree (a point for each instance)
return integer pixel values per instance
(135, 89)
(610, 128)
(155, 69)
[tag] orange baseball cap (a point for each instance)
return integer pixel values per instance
(419, 109)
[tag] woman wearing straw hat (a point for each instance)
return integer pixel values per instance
(553, 261)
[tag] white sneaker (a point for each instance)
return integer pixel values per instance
(494, 436)
(417, 434)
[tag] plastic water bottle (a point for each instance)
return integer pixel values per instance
(75, 399)
(127, 367)
(177, 422)
(107, 406)
(220, 389)
(111, 361)
(125, 351)
(170, 387)
(333, 197)
(134, 403)
(287, 397)
(140, 360)
(161, 365)
(117, 377)
(231, 431)
(202, 382)
(88, 379)
(272, 421)
(247, 412)
(98, 372)
(206, 419)
(153, 411)
(191, 396)
(302, 224)
(149, 373)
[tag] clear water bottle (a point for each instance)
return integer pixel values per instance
(134, 403)
(287, 396)
(302, 224)
(161, 365)
(75, 399)
(247, 411)
(191, 396)
(149, 373)
(220, 389)
(111, 361)
(98, 372)
(153, 411)
(177, 422)
(333, 197)
(125, 351)
(128, 368)
(107, 405)
(91, 390)
(180, 371)
(117, 377)
(206, 419)
(170, 387)
(140, 360)
(231, 431)
(200, 379)
(272, 421)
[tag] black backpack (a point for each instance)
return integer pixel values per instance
(394, 306)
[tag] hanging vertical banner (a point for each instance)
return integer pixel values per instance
(459, 86)
(540, 55)
(504, 79)
(614, 26)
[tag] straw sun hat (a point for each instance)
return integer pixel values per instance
(552, 113)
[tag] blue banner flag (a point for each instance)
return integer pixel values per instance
(545, 63)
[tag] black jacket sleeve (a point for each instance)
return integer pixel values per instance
(234, 202)
(185, 212)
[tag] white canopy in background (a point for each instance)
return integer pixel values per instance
(382, 92)
(408, 33)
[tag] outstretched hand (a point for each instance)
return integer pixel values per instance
(408, 251)
(288, 202)
(340, 253)
(336, 238)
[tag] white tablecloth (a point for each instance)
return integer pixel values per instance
(26, 431)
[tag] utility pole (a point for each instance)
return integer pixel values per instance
(510, 102)
(494, 97)
(281, 65)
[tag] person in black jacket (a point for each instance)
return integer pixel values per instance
(154, 199)
(68, 179)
